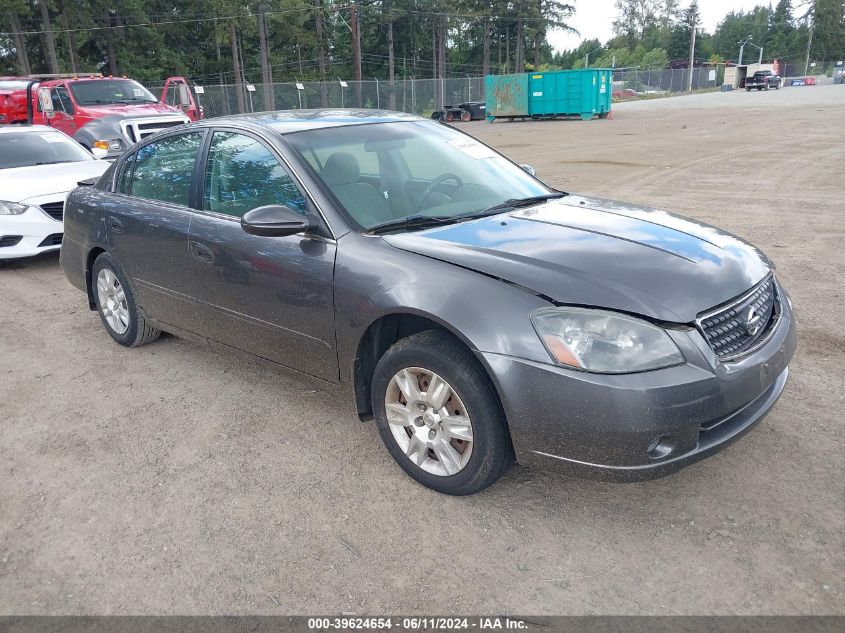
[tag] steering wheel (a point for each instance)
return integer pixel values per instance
(435, 184)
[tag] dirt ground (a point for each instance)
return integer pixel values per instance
(169, 479)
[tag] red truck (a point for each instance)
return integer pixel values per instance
(13, 99)
(105, 114)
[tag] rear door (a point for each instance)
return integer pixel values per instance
(269, 296)
(148, 222)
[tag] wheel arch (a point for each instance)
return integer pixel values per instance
(383, 332)
(93, 254)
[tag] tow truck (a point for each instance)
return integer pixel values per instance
(106, 115)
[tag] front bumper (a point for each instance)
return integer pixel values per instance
(37, 231)
(640, 426)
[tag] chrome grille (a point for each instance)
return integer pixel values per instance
(740, 326)
(138, 129)
(54, 209)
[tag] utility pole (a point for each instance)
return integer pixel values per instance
(356, 51)
(691, 59)
(809, 46)
(692, 12)
(742, 49)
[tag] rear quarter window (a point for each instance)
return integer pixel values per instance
(124, 178)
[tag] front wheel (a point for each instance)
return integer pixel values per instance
(439, 416)
(116, 305)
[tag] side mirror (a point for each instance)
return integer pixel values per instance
(274, 221)
(45, 101)
(529, 169)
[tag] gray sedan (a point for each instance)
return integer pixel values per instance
(478, 315)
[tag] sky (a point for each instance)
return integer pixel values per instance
(594, 18)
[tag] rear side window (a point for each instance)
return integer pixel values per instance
(163, 169)
(242, 174)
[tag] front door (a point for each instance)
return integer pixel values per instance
(269, 296)
(63, 111)
(148, 226)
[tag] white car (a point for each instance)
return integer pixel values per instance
(39, 166)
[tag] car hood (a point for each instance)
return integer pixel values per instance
(20, 184)
(594, 252)
(132, 110)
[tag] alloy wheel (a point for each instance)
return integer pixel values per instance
(112, 300)
(429, 421)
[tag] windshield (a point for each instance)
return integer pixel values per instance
(386, 172)
(13, 84)
(25, 149)
(108, 91)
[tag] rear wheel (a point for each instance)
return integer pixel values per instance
(448, 117)
(116, 305)
(438, 414)
(466, 116)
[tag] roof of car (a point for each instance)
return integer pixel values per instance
(27, 128)
(286, 121)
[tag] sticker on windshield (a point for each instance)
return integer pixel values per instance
(137, 92)
(472, 148)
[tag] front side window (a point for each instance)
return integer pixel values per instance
(242, 174)
(61, 100)
(163, 169)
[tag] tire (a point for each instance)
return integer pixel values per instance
(748, 90)
(466, 116)
(137, 330)
(448, 117)
(470, 393)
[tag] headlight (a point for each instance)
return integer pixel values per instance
(107, 145)
(604, 342)
(12, 208)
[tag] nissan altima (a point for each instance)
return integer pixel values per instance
(479, 316)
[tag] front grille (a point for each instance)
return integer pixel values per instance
(139, 129)
(55, 210)
(10, 240)
(737, 328)
(52, 240)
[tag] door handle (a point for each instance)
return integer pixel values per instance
(202, 252)
(115, 224)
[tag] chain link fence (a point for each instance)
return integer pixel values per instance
(423, 96)
(635, 83)
(417, 96)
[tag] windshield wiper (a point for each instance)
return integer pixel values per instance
(413, 222)
(423, 221)
(517, 203)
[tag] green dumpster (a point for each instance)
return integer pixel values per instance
(559, 93)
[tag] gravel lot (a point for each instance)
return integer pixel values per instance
(170, 479)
